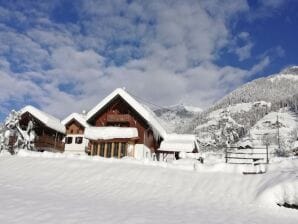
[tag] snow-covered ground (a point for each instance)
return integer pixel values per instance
(59, 188)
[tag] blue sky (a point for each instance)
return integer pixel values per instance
(65, 56)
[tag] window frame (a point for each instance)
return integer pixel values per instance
(67, 140)
(78, 142)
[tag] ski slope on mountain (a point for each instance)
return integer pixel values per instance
(53, 188)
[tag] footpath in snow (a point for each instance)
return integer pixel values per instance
(57, 188)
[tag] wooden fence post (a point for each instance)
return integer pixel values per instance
(267, 154)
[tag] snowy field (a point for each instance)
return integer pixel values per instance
(53, 188)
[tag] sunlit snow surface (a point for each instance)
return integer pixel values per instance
(54, 188)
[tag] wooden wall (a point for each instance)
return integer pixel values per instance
(46, 137)
(74, 127)
(119, 106)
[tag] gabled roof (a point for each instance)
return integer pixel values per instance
(146, 113)
(47, 119)
(75, 116)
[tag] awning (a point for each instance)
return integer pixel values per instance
(106, 133)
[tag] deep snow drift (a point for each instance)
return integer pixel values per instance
(59, 188)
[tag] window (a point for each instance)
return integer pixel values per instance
(116, 149)
(123, 150)
(68, 140)
(95, 149)
(102, 150)
(109, 150)
(79, 140)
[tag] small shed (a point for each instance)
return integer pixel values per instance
(173, 144)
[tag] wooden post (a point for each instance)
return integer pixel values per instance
(119, 149)
(106, 148)
(55, 140)
(112, 150)
(134, 148)
(267, 154)
(91, 151)
(226, 154)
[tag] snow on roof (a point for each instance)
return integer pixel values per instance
(179, 143)
(146, 113)
(105, 133)
(78, 117)
(47, 119)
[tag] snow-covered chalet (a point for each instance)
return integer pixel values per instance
(118, 126)
(121, 126)
(48, 129)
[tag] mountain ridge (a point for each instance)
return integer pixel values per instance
(239, 111)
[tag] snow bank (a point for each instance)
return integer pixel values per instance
(94, 190)
(281, 193)
(105, 133)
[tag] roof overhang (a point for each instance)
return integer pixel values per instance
(145, 113)
(47, 119)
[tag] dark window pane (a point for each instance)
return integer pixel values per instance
(68, 140)
(123, 150)
(95, 149)
(116, 149)
(109, 150)
(79, 140)
(102, 149)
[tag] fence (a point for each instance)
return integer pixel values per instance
(253, 156)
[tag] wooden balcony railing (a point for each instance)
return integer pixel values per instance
(119, 118)
(49, 143)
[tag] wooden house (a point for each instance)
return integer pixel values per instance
(121, 126)
(75, 141)
(49, 130)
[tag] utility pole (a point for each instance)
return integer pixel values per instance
(278, 137)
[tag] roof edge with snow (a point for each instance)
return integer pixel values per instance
(75, 116)
(47, 119)
(145, 113)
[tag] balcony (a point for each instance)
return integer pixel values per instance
(119, 118)
(48, 143)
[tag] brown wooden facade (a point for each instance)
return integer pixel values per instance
(47, 139)
(74, 127)
(119, 113)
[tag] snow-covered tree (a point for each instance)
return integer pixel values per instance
(24, 138)
(230, 131)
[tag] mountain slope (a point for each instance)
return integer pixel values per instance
(276, 89)
(232, 117)
(177, 116)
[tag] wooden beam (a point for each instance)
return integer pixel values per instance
(91, 151)
(106, 148)
(112, 150)
(119, 149)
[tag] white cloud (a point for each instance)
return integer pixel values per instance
(176, 43)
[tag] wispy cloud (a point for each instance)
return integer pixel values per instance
(164, 51)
